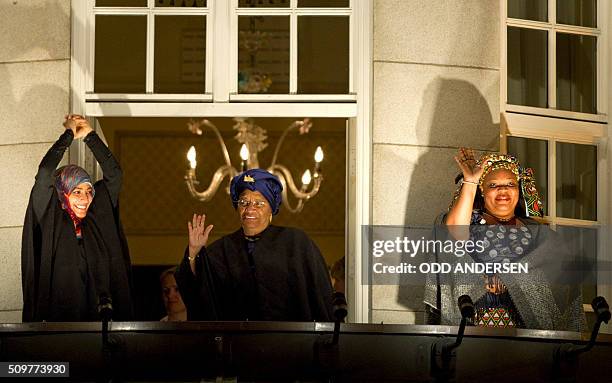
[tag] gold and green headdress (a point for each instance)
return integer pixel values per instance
(496, 161)
(529, 192)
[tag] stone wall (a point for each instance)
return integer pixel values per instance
(436, 88)
(34, 89)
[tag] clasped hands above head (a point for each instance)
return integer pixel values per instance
(78, 124)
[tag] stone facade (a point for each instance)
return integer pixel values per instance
(34, 89)
(436, 88)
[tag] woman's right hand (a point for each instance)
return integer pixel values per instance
(78, 124)
(468, 165)
(198, 234)
(70, 123)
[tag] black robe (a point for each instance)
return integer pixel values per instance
(285, 279)
(63, 277)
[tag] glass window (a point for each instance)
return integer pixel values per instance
(180, 54)
(263, 3)
(533, 154)
(121, 3)
(323, 3)
(181, 3)
(263, 54)
(536, 10)
(323, 62)
(577, 12)
(581, 243)
(576, 181)
(120, 55)
(576, 73)
(527, 67)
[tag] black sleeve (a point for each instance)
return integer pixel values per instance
(320, 293)
(43, 185)
(197, 290)
(110, 167)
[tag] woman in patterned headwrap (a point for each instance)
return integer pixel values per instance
(259, 272)
(496, 204)
(73, 249)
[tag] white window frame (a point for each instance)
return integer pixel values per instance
(293, 12)
(357, 109)
(552, 28)
(150, 12)
(555, 130)
(555, 125)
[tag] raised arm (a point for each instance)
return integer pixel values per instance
(198, 237)
(194, 276)
(459, 217)
(111, 170)
(43, 184)
(461, 211)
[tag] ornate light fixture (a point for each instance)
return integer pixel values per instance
(253, 139)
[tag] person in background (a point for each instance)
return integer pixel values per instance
(337, 276)
(173, 302)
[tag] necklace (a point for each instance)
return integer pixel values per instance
(500, 219)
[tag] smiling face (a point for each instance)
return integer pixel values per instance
(500, 192)
(80, 198)
(254, 219)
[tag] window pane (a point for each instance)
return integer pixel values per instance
(323, 62)
(580, 261)
(121, 3)
(180, 53)
(533, 154)
(577, 12)
(263, 54)
(180, 3)
(528, 9)
(264, 3)
(323, 3)
(121, 45)
(527, 61)
(577, 181)
(577, 73)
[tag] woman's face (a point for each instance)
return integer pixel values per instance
(80, 198)
(171, 295)
(254, 219)
(501, 193)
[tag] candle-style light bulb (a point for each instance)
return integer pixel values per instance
(191, 156)
(318, 157)
(306, 177)
(244, 155)
(244, 152)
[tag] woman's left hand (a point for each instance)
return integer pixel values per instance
(82, 125)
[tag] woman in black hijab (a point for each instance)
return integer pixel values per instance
(74, 252)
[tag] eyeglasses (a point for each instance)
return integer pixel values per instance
(256, 204)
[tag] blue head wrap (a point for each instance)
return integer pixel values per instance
(67, 178)
(261, 181)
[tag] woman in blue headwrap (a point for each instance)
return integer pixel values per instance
(259, 272)
(73, 251)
